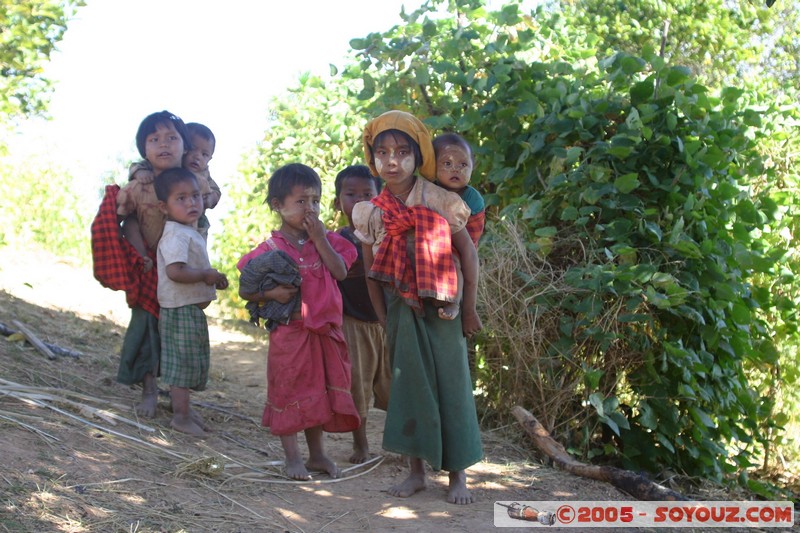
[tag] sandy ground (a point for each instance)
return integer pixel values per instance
(66, 468)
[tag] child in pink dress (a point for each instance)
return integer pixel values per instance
(308, 367)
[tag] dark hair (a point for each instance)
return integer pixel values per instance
(287, 177)
(165, 181)
(202, 131)
(163, 118)
(403, 135)
(452, 139)
(355, 171)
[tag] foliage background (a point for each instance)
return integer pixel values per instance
(645, 198)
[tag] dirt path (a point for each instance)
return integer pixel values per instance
(66, 470)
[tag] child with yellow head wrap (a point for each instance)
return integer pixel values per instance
(408, 234)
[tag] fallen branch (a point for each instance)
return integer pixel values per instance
(50, 394)
(33, 339)
(637, 486)
(56, 349)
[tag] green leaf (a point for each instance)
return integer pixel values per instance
(701, 417)
(532, 210)
(642, 91)
(665, 442)
(596, 400)
(627, 182)
(740, 314)
(359, 44)
(647, 417)
(677, 75)
(569, 213)
(591, 377)
(653, 229)
(549, 231)
(632, 65)
(439, 122)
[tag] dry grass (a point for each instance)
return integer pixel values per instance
(526, 362)
(140, 462)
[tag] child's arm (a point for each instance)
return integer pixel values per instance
(133, 234)
(330, 257)
(373, 287)
(181, 273)
(470, 321)
(281, 294)
(211, 199)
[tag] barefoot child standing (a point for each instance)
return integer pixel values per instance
(366, 338)
(162, 141)
(409, 231)
(308, 367)
(186, 285)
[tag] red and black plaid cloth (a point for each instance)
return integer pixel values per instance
(475, 225)
(117, 265)
(434, 275)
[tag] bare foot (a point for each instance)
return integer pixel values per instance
(147, 407)
(197, 419)
(360, 455)
(449, 311)
(324, 464)
(458, 492)
(295, 469)
(187, 426)
(360, 444)
(408, 487)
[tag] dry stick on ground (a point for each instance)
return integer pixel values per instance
(33, 339)
(634, 484)
(57, 350)
(51, 394)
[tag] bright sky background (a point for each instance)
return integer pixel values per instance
(207, 61)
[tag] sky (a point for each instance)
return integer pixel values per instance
(218, 63)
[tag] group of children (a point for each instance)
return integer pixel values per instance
(161, 211)
(364, 313)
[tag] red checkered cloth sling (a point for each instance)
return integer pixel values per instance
(475, 225)
(434, 275)
(116, 263)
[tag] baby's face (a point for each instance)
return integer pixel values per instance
(201, 153)
(453, 167)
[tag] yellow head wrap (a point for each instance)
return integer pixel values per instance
(408, 124)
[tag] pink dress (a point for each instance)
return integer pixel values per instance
(308, 367)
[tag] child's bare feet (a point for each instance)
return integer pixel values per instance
(147, 407)
(360, 444)
(188, 426)
(458, 493)
(449, 311)
(295, 469)
(411, 485)
(360, 455)
(324, 464)
(197, 419)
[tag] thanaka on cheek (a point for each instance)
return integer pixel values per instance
(407, 164)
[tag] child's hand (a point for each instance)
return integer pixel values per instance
(148, 264)
(314, 227)
(470, 323)
(282, 293)
(214, 277)
(222, 281)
